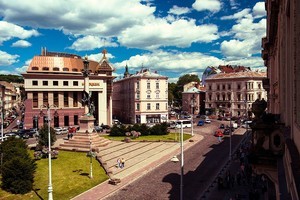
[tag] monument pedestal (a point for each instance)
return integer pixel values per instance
(86, 124)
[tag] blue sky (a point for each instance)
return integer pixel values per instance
(173, 37)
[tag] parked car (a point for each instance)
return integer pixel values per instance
(218, 133)
(222, 126)
(12, 134)
(200, 123)
(207, 120)
(60, 130)
(226, 131)
(98, 129)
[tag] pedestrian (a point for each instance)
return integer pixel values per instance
(123, 162)
(68, 136)
(220, 138)
(119, 163)
(71, 135)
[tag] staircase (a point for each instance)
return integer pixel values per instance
(84, 142)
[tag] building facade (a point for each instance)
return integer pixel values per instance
(55, 79)
(281, 54)
(234, 92)
(141, 97)
(193, 97)
(9, 97)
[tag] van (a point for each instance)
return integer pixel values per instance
(200, 123)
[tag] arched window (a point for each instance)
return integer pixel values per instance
(45, 68)
(34, 68)
(74, 70)
(65, 69)
(55, 69)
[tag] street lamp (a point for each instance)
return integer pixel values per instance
(48, 107)
(91, 154)
(175, 159)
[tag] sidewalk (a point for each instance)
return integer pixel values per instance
(105, 189)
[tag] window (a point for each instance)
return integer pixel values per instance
(34, 82)
(74, 70)
(66, 83)
(157, 85)
(148, 85)
(209, 87)
(218, 87)
(259, 86)
(138, 106)
(45, 83)
(157, 106)
(223, 86)
(148, 96)
(75, 83)
(55, 98)
(55, 69)
(75, 99)
(157, 95)
(35, 99)
(66, 99)
(65, 69)
(55, 83)
(148, 106)
(35, 68)
(46, 68)
(137, 85)
(209, 97)
(76, 120)
(238, 86)
(229, 87)
(138, 95)
(45, 98)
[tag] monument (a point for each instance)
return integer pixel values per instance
(87, 119)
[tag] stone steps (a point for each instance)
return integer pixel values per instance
(136, 155)
(83, 142)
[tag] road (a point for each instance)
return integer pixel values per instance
(202, 162)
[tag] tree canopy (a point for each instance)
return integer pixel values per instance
(11, 78)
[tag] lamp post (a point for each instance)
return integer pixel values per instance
(50, 188)
(175, 159)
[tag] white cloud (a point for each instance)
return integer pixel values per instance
(259, 10)
(77, 17)
(157, 33)
(252, 62)
(7, 59)
(237, 15)
(211, 5)
(92, 42)
(233, 4)
(9, 31)
(97, 57)
(179, 10)
(170, 61)
(22, 69)
(235, 48)
(21, 43)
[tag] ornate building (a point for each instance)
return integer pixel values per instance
(281, 53)
(56, 79)
(234, 92)
(141, 97)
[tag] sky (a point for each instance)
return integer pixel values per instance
(172, 37)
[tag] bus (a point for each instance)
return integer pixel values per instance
(185, 123)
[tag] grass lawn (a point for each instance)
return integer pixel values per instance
(170, 137)
(69, 177)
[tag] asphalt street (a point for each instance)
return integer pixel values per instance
(202, 163)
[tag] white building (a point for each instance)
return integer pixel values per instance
(234, 92)
(141, 98)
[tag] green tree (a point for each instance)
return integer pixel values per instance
(171, 88)
(17, 168)
(43, 135)
(187, 78)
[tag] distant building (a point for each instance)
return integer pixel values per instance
(141, 97)
(56, 79)
(193, 97)
(234, 92)
(9, 97)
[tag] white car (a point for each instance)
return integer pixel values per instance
(60, 130)
(208, 121)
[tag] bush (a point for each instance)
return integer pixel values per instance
(159, 129)
(143, 129)
(18, 168)
(117, 130)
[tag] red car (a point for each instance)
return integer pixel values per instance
(218, 133)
